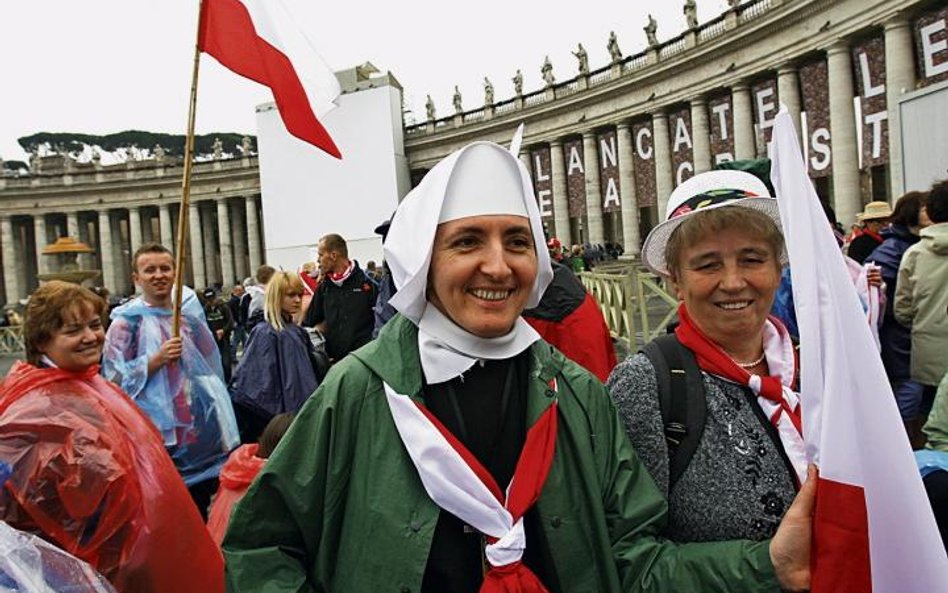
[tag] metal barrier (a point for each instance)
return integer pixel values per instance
(11, 339)
(635, 305)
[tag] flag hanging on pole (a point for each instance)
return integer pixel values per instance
(259, 39)
(873, 529)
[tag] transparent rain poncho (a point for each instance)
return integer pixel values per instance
(187, 400)
(29, 564)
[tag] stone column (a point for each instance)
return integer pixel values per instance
(11, 283)
(104, 247)
(72, 225)
(846, 190)
(39, 229)
(224, 239)
(593, 191)
(701, 134)
(899, 79)
(240, 242)
(560, 197)
(196, 243)
(134, 228)
(211, 261)
(745, 146)
(788, 90)
(631, 241)
(664, 178)
(253, 233)
(168, 234)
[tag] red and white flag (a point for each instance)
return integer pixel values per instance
(873, 529)
(259, 39)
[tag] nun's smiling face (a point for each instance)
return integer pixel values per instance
(482, 272)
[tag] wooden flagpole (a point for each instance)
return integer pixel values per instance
(182, 239)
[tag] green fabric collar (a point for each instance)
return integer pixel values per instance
(393, 356)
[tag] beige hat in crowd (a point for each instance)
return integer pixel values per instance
(875, 211)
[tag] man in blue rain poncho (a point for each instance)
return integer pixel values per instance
(177, 382)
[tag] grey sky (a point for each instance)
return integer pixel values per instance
(104, 66)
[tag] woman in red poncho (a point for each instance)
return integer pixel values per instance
(90, 473)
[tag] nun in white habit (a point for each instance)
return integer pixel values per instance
(459, 452)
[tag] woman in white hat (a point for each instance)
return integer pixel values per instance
(458, 452)
(711, 408)
(872, 220)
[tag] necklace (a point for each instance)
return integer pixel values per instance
(751, 364)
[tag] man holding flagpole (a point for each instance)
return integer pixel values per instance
(873, 528)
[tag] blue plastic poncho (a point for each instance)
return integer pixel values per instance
(187, 400)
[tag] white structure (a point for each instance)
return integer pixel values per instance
(307, 194)
(924, 118)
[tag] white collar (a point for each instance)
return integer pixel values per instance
(447, 350)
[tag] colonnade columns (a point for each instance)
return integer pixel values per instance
(197, 246)
(788, 90)
(11, 282)
(223, 236)
(253, 233)
(39, 227)
(104, 247)
(630, 205)
(745, 146)
(240, 244)
(594, 231)
(134, 228)
(900, 79)
(700, 135)
(560, 199)
(164, 224)
(846, 192)
(664, 182)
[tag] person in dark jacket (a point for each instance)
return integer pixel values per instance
(908, 219)
(221, 322)
(569, 318)
(872, 219)
(342, 307)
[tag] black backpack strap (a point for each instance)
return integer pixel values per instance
(681, 399)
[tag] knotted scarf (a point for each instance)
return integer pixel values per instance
(774, 393)
(458, 483)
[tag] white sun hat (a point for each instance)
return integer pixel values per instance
(707, 191)
(482, 178)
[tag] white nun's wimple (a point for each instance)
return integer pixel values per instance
(411, 236)
(480, 179)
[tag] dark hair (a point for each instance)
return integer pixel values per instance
(149, 248)
(907, 208)
(264, 273)
(937, 203)
(334, 242)
(272, 434)
(699, 225)
(48, 309)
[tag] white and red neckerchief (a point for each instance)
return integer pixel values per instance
(339, 277)
(774, 392)
(458, 483)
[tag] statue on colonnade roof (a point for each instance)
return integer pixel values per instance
(583, 58)
(650, 31)
(547, 72)
(613, 46)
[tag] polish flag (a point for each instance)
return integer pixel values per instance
(873, 529)
(259, 39)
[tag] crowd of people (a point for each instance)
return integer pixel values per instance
(455, 419)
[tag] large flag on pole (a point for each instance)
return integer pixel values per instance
(873, 529)
(259, 39)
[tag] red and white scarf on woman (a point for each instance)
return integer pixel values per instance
(774, 392)
(339, 277)
(458, 483)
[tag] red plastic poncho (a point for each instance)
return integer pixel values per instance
(90, 474)
(238, 472)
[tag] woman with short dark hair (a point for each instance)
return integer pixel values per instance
(90, 471)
